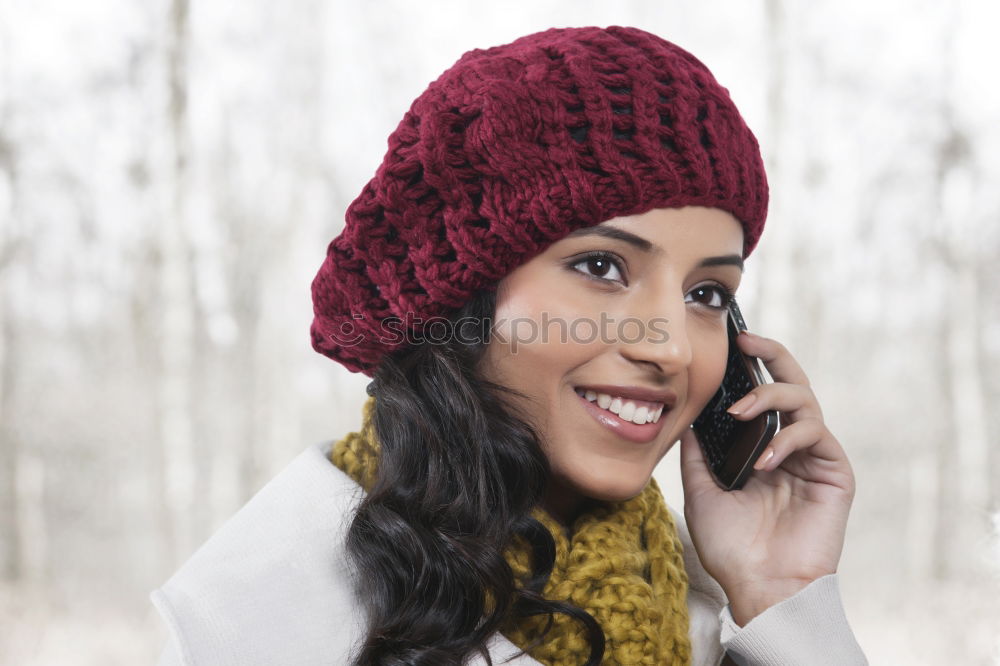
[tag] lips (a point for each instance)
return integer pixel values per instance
(628, 430)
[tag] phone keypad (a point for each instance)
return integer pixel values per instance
(715, 426)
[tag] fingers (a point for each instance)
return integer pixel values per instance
(695, 477)
(776, 358)
(808, 451)
(809, 434)
(795, 400)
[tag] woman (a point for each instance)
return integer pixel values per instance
(537, 280)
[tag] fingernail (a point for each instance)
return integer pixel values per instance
(748, 334)
(762, 461)
(742, 404)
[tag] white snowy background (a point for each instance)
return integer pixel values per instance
(172, 170)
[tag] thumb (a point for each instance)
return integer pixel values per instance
(695, 477)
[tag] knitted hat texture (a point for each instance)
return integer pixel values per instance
(513, 148)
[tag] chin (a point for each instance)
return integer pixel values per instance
(613, 487)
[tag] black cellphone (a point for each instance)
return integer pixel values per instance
(731, 447)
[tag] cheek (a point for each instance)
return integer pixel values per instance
(708, 367)
(529, 355)
(533, 332)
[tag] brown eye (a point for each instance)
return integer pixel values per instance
(601, 266)
(711, 295)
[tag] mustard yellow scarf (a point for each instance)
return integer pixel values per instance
(621, 562)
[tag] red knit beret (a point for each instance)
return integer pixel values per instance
(508, 151)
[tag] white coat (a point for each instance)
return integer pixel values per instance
(272, 587)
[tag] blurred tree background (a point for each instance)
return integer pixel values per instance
(171, 172)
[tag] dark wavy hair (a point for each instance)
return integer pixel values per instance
(458, 474)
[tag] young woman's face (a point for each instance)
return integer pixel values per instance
(600, 313)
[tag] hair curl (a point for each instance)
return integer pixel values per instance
(458, 475)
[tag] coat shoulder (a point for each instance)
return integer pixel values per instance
(273, 584)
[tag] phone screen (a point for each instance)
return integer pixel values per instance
(730, 446)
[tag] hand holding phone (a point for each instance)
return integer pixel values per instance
(729, 446)
(760, 547)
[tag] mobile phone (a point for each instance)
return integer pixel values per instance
(731, 447)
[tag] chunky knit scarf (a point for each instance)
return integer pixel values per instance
(621, 562)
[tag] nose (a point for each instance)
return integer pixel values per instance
(664, 340)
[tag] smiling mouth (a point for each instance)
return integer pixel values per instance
(639, 412)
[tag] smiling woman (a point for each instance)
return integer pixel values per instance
(659, 267)
(497, 504)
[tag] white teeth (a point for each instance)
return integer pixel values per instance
(626, 410)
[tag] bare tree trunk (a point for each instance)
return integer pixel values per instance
(972, 443)
(968, 487)
(10, 527)
(22, 476)
(944, 507)
(773, 285)
(245, 272)
(274, 402)
(26, 545)
(986, 281)
(964, 458)
(13, 528)
(961, 508)
(176, 289)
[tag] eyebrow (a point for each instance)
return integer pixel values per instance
(644, 245)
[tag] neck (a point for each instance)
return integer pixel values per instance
(564, 503)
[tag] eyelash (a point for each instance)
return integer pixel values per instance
(605, 256)
(724, 292)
